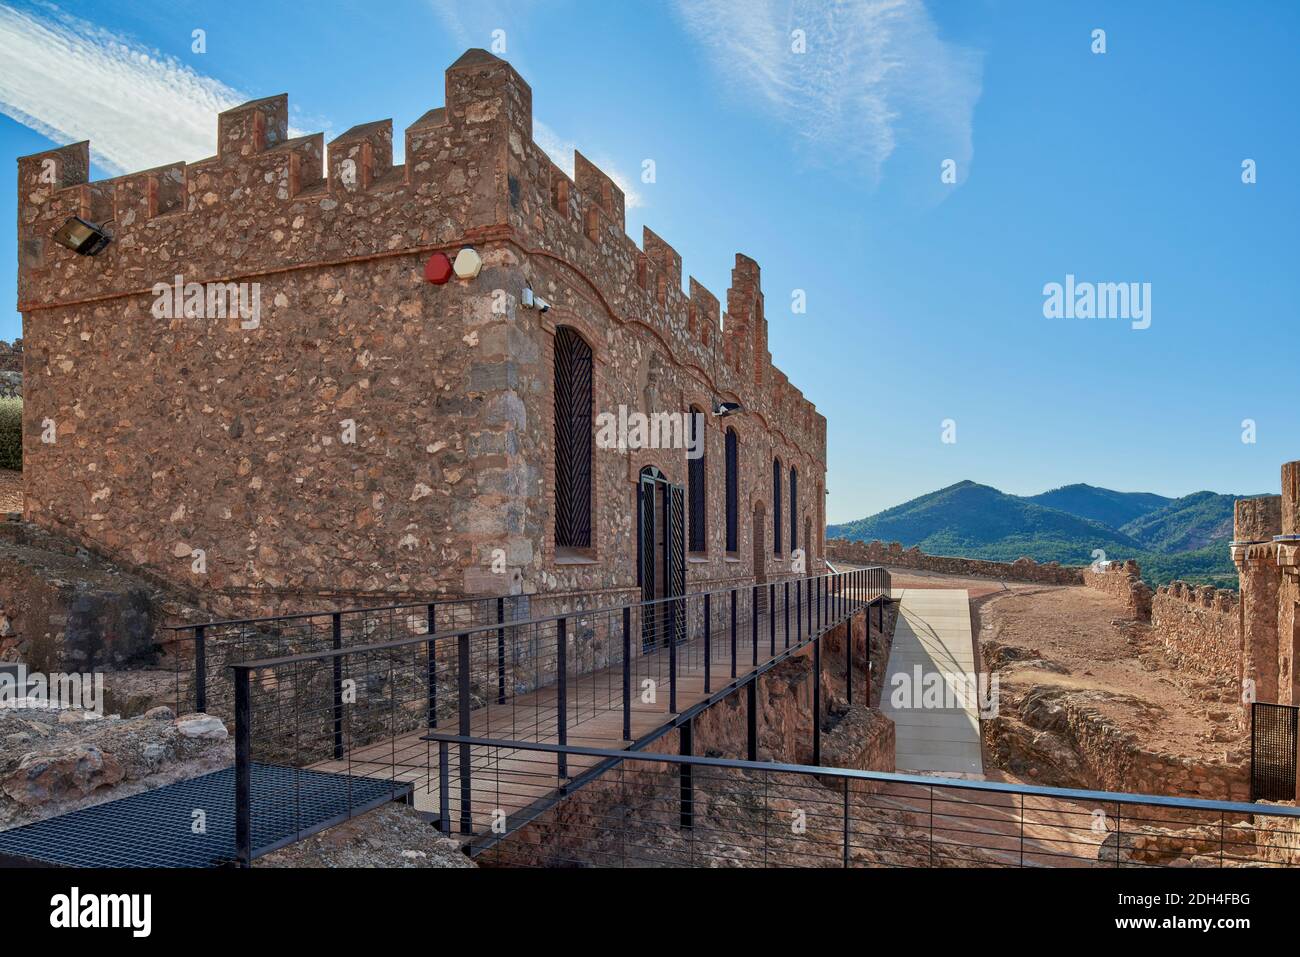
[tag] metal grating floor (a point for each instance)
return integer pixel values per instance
(155, 828)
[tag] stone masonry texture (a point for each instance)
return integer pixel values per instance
(215, 452)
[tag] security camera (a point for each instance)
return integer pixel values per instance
(533, 301)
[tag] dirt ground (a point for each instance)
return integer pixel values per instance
(1077, 639)
(11, 491)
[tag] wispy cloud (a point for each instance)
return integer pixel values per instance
(70, 79)
(561, 150)
(875, 72)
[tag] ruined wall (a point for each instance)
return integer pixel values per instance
(1200, 627)
(878, 553)
(182, 438)
(11, 368)
(1053, 740)
(1122, 580)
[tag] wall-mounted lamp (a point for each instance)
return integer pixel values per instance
(83, 238)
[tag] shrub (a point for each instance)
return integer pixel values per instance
(11, 433)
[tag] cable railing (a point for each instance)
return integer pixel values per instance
(607, 676)
(683, 810)
(204, 652)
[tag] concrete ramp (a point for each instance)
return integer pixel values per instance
(934, 634)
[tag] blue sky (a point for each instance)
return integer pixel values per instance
(925, 299)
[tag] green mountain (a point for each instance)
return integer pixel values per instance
(1113, 509)
(1185, 524)
(1171, 538)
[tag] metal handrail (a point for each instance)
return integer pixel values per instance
(518, 623)
(893, 777)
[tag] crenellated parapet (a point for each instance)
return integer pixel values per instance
(268, 202)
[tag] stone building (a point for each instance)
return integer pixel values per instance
(256, 389)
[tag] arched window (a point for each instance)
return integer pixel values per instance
(573, 397)
(794, 508)
(776, 507)
(699, 538)
(733, 490)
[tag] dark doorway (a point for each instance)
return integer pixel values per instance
(661, 557)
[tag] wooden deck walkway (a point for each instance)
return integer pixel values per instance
(510, 781)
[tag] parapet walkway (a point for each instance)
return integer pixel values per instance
(933, 634)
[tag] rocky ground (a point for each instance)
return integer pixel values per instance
(1075, 643)
(52, 762)
(1088, 697)
(391, 836)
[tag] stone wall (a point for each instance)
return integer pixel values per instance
(1057, 741)
(1122, 580)
(1200, 627)
(374, 436)
(11, 368)
(879, 553)
(64, 609)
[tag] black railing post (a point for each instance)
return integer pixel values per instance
(627, 673)
(846, 822)
(444, 788)
(336, 628)
(672, 663)
(708, 632)
(817, 700)
(798, 609)
(462, 657)
(753, 621)
(848, 660)
(430, 628)
(751, 719)
(243, 769)
(787, 613)
(771, 617)
(562, 695)
(501, 651)
(686, 794)
(733, 632)
(200, 669)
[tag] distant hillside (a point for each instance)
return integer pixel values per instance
(1171, 538)
(976, 521)
(1113, 509)
(1185, 524)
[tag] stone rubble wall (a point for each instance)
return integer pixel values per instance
(894, 554)
(1200, 627)
(1122, 580)
(65, 609)
(1051, 731)
(11, 369)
